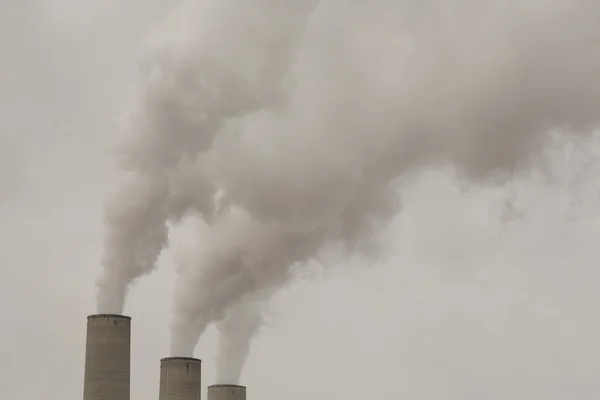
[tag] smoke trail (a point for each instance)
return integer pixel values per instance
(239, 258)
(242, 324)
(303, 115)
(189, 85)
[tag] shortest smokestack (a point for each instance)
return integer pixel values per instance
(180, 378)
(226, 392)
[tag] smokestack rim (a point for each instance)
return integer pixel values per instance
(226, 385)
(188, 359)
(93, 316)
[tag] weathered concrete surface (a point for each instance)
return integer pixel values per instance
(226, 392)
(107, 357)
(180, 378)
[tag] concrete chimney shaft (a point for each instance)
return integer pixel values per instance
(226, 392)
(107, 357)
(180, 378)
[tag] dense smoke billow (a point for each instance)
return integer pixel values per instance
(286, 126)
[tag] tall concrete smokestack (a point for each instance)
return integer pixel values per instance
(180, 378)
(107, 357)
(226, 392)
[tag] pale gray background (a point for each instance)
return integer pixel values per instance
(462, 307)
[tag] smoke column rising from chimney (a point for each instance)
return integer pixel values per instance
(190, 85)
(302, 116)
(242, 323)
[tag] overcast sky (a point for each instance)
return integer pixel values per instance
(483, 293)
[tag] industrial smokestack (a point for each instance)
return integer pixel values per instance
(226, 392)
(180, 378)
(107, 357)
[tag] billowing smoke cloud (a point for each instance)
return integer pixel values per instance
(302, 116)
(191, 83)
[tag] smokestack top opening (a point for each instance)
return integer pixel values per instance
(224, 385)
(188, 359)
(108, 316)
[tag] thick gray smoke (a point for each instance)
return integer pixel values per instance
(287, 124)
(191, 84)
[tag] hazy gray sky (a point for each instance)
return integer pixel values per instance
(484, 292)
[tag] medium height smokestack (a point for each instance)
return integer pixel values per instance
(107, 357)
(226, 392)
(180, 378)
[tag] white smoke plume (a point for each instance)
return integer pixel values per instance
(190, 86)
(303, 115)
(242, 323)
